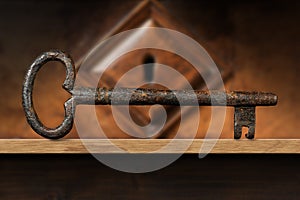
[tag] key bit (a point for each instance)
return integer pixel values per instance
(244, 103)
(244, 117)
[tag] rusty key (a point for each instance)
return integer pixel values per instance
(244, 103)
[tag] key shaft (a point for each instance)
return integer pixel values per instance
(142, 96)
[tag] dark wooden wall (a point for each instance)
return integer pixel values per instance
(64, 177)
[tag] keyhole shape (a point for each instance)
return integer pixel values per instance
(149, 63)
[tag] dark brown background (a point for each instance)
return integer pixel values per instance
(259, 39)
(64, 177)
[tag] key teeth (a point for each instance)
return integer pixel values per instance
(249, 136)
(251, 132)
(237, 131)
(244, 117)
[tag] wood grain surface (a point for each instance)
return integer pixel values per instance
(71, 146)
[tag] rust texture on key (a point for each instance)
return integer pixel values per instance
(30, 113)
(142, 96)
(244, 103)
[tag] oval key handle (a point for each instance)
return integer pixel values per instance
(31, 115)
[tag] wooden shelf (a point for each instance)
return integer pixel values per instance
(76, 146)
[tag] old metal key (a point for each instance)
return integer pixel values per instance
(244, 103)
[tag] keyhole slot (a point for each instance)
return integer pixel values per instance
(149, 64)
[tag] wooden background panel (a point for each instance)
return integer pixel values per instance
(259, 39)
